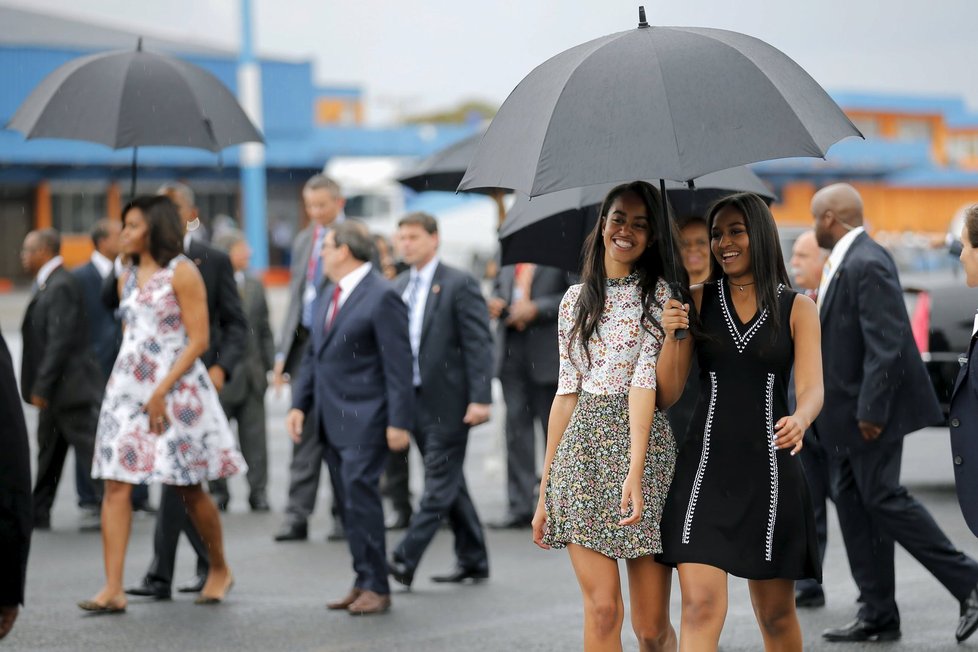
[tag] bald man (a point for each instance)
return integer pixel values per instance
(876, 391)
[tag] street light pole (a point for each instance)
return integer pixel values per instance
(252, 154)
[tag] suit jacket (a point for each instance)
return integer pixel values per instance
(15, 487)
(455, 356)
(251, 377)
(301, 251)
(541, 351)
(964, 438)
(58, 364)
(228, 328)
(105, 330)
(872, 368)
(357, 375)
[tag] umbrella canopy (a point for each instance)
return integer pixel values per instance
(133, 99)
(550, 229)
(652, 103)
(444, 169)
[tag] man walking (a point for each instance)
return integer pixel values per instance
(452, 347)
(525, 302)
(355, 382)
(876, 391)
(323, 202)
(59, 375)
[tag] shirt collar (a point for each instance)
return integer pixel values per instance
(187, 237)
(841, 247)
(349, 282)
(427, 272)
(102, 264)
(47, 268)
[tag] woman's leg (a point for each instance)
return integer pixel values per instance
(116, 524)
(649, 585)
(704, 590)
(603, 606)
(203, 514)
(774, 608)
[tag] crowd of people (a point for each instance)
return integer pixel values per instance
(698, 434)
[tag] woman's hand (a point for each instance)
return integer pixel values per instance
(540, 525)
(789, 432)
(155, 409)
(631, 497)
(675, 316)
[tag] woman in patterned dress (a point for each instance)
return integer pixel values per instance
(610, 452)
(739, 502)
(161, 419)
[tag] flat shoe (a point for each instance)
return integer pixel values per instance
(207, 599)
(94, 607)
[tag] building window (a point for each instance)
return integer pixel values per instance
(75, 210)
(914, 130)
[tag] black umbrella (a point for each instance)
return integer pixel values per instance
(550, 229)
(444, 169)
(134, 99)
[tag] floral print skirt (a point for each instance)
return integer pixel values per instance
(583, 494)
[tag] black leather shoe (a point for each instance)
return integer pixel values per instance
(460, 574)
(194, 585)
(860, 630)
(969, 616)
(400, 572)
(222, 504)
(149, 590)
(399, 521)
(511, 522)
(337, 533)
(813, 597)
(259, 503)
(293, 532)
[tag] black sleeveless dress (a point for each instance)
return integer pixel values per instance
(736, 502)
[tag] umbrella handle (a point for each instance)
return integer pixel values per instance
(677, 293)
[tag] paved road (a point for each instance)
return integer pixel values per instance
(530, 603)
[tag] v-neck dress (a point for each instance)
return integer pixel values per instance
(198, 443)
(737, 503)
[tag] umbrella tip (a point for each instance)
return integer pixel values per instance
(641, 17)
(139, 44)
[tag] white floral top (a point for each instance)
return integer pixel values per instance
(623, 353)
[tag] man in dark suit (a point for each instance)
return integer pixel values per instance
(355, 380)
(525, 301)
(876, 391)
(323, 202)
(15, 495)
(105, 334)
(228, 332)
(59, 375)
(243, 397)
(452, 346)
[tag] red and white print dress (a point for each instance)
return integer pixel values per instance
(197, 444)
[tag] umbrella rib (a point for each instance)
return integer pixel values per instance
(176, 65)
(658, 65)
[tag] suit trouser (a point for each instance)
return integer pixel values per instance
(445, 496)
(527, 403)
(249, 415)
(356, 470)
(171, 520)
(874, 511)
(816, 465)
(57, 429)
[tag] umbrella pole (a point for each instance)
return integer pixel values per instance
(132, 184)
(670, 262)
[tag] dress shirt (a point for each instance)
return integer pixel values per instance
(47, 268)
(102, 264)
(187, 237)
(420, 286)
(838, 254)
(347, 285)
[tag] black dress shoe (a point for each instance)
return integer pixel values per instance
(194, 585)
(400, 572)
(460, 574)
(149, 590)
(222, 504)
(969, 616)
(293, 532)
(512, 522)
(860, 630)
(814, 597)
(337, 533)
(400, 521)
(259, 503)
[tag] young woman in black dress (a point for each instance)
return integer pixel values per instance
(739, 503)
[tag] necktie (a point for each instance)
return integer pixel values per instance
(414, 322)
(337, 291)
(314, 271)
(823, 284)
(524, 280)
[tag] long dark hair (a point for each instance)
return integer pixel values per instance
(163, 227)
(766, 260)
(649, 267)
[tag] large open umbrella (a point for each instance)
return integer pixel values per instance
(654, 102)
(133, 99)
(550, 229)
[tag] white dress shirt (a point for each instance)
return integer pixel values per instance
(45, 272)
(347, 285)
(838, 254)
(420, 285)
(102, 264)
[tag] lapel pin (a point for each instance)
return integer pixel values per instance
(435, 289)
(197, 262)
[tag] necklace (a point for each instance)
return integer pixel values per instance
(739, 286)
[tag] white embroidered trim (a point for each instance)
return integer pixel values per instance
(704, 457)
(741, 340)
(773, 459)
